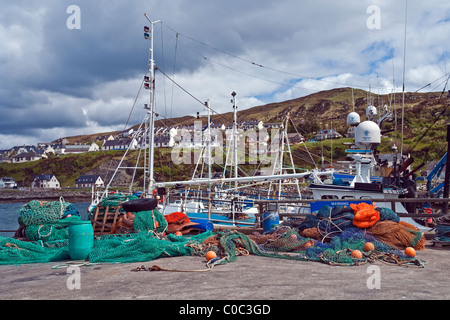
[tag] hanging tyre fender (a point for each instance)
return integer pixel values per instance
(140, 205)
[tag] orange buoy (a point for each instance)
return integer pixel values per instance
(368, 246)
(356, 254)
(178, 233)
(210, 255)
(410, 251)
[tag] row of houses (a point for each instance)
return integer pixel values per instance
(50, 181)
(163, 138)
(27, 153)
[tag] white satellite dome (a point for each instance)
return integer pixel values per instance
(353, 119)
(368, 135)
(371, 112)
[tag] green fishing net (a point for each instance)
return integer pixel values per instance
(40, 220)
(143, 246)
(149, 220)
(13, 251)
(43, 212)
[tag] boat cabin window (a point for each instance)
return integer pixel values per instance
(348, 197)
(329, 197)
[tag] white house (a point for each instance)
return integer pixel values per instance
(89, 181)
(327, 134)
(25, 156)
(45, 181)
(81, 148)
(120, 144)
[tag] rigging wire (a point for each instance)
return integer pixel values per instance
(191, 95)
(259, 65)
(307, 150)
(436, 118)
(257, 77)
(135, 100)
(164, 82)
(179, 86)
(174, 65)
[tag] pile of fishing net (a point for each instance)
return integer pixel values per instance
(381, 223)
(15, 251)
(285, 243)
(288, 243)
(40, 220)
(143, 246)
(442, 229)
(328, 235)
(116, 199)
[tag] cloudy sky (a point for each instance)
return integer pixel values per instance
(58, 81)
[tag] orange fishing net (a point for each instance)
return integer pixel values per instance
(398, 234)
(179, 221)
(174, 217)
(365, 215)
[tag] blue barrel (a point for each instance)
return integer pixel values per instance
(203, 224)
(270, 219)
(81, 240)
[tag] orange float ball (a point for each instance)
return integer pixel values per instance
(356, 254)
(210, 255)
(410, 251)
(368, 246)
(178, 233)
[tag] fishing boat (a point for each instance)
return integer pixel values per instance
(362, 186)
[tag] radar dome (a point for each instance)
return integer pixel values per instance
(353, 119)
(368, 135)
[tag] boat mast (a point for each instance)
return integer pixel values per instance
(208, 141)
(151, 110)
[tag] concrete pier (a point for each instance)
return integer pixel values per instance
(248, 278)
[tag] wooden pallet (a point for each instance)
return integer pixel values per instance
(441, 244)
(104, 220)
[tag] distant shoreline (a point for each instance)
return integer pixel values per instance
(28, 194)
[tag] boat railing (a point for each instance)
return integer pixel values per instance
(439, 205)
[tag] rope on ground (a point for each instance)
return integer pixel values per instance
(372, 257)
(74, 263)
(210, 265)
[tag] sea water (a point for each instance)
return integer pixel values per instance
(9, 214)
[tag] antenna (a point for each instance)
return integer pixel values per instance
(404, 62)
(353, 100)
